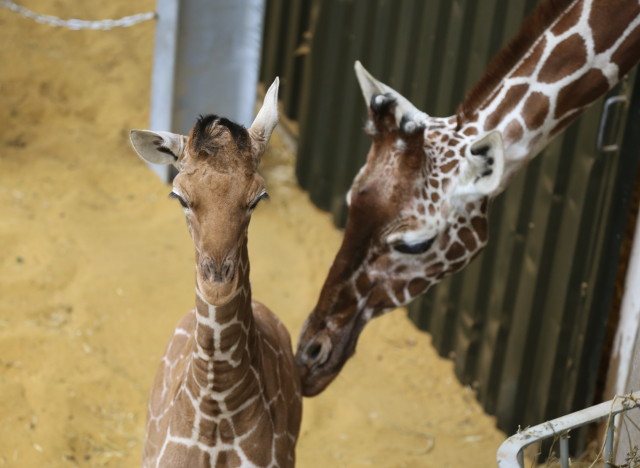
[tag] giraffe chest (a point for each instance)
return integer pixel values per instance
(242, 422)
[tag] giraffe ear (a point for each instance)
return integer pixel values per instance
(404, 110)
(158, 147)
(483, 167)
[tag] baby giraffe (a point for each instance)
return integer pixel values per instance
(227, 393)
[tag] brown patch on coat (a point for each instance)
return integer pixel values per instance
(228, 458)
(513, 131)
(467, 238)
(568, 20)
(536, 109)
(417, 286)
(581, 92)
(448, 166)
(528, 65)
(618, 14)
(511, 100)
(565, 58)
(456, 251)
(400, 269)
(379, 299)
(363, 283)
(435, 269)
(480, 226)
(255, 452)
(189, 455)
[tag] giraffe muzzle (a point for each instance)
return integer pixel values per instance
(217, 272)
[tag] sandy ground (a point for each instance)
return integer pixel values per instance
(96, 268)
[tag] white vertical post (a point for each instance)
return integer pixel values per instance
(625, 355)
(163, 73)
(627, 333)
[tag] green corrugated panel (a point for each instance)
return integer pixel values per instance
(426, 54)
(295, 54)
(346, 127)
(326, 103)
(410, 24)
(272, 39)
(286, 22)
(475, 51)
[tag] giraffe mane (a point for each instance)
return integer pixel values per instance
(544, 14)
(210, 127)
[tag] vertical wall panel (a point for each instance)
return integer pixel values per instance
(275, 17)
(525, 321)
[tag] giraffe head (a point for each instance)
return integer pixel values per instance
(218, 187)
(416, 213)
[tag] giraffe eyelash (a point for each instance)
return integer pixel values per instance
(254, 203)
(182, 201)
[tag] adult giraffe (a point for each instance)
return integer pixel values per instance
(227, 393)
(418, 207)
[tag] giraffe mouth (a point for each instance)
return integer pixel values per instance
(218, 281)
(215, 292)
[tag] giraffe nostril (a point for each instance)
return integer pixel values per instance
(317, 352)
(208, 268)
(228, 270)
(313, 350)
(215, 272)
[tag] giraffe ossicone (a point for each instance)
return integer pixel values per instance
(417, 209)
(227, 392)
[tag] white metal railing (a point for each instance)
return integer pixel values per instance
(511, 451)
(75, 24)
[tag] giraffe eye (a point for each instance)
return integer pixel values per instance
(416, 248)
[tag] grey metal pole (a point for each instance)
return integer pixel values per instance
(206, 61)
(564, 451)
(218, 56)
(608, 441)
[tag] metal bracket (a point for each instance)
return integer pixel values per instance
(608, 104)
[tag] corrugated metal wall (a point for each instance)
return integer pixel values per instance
(525, 321)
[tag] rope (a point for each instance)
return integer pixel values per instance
(76, 24)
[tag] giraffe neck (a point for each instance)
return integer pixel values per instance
(575, 56)
(224, 345)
